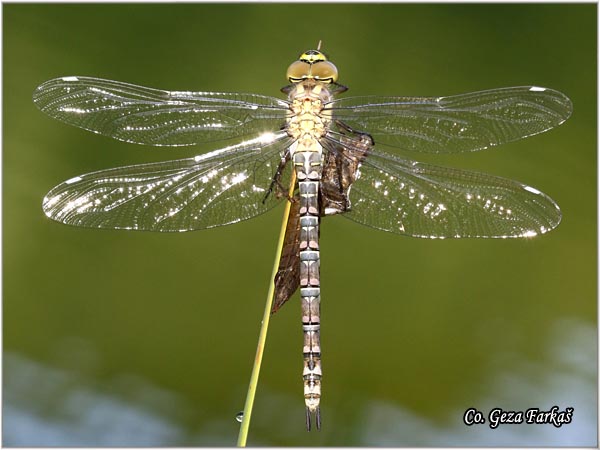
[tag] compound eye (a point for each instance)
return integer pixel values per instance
(324, 71)
(298, 70)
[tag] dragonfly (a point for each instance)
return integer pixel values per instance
(347, 155)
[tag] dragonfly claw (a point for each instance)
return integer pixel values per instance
(317, 413)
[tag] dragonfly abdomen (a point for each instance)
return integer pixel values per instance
(307, 157)
(310, 293)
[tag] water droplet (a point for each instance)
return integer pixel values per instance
(239, 416)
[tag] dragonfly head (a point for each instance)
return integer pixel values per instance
(312, 64)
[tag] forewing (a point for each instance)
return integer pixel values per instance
(423, 200)
(458, 123)
(218, 188)
(154, 117)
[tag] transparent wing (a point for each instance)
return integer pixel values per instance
(153, 117)
(217, 188)
(422, 200)
(458, 123)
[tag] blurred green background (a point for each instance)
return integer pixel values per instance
(144, 339)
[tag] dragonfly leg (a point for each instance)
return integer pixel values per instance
(281, 190)
(345, 127)
(338, 89)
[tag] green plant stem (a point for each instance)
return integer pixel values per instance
(262, 338)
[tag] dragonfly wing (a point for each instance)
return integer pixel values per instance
(154, 117)
(458, 123)
(423, 200)
(217, 188)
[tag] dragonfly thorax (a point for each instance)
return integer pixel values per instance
(312, 65)
(310, 119)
